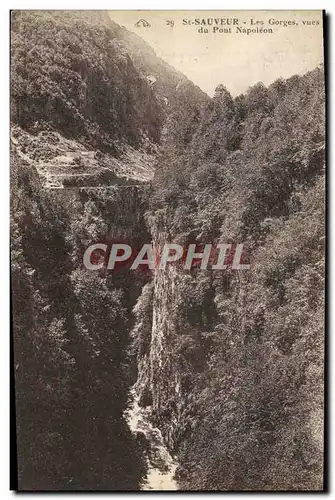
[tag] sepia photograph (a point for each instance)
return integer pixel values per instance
(167, 240)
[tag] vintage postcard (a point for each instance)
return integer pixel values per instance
(168, 250)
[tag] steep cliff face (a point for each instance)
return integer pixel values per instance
(158, 382)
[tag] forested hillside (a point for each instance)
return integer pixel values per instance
(71, 73)
(229, 364)
(72, 371)
(76, 72)
(76, 90)
(244, 348)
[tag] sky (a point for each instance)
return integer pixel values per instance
(236, 60)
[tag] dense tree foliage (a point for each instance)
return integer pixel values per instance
(77, 82)
(81, 74)
(248, 345)
(72, 372)
(71, 73)
(245, 346)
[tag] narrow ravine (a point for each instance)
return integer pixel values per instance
(161, 466)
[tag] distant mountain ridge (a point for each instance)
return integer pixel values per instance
(168, 79)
